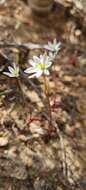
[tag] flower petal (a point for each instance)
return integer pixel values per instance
(48, 64)
(58, 46)
(8, 74)
(49, 44)
(38, 73)
(10, 69)
(30, 70)
(46, 72)
(41, 58)
(32, 63)
(36, 59)
(14, 66)
(55, 42)
(45, 58)
(51, 56)
(33, 75)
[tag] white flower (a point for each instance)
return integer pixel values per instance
(52, 56)
(39, 66)
(55, 47)
(13, 71)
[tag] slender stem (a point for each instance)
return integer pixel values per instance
(6, 92)
(63, 150)
(20, 88)
(47, 96)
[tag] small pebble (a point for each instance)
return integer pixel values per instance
(3, 141)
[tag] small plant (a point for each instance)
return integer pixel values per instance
(54, 46)
(13, 71)
(39, 66)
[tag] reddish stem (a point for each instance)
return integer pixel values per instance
(47, 96)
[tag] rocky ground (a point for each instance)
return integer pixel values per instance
(31, 156)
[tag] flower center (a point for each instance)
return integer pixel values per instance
(41, 66)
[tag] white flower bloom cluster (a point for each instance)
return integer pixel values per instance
(13, 71)
(54, 47)
(39, 66)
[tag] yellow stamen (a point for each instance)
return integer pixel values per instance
(41, 66)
